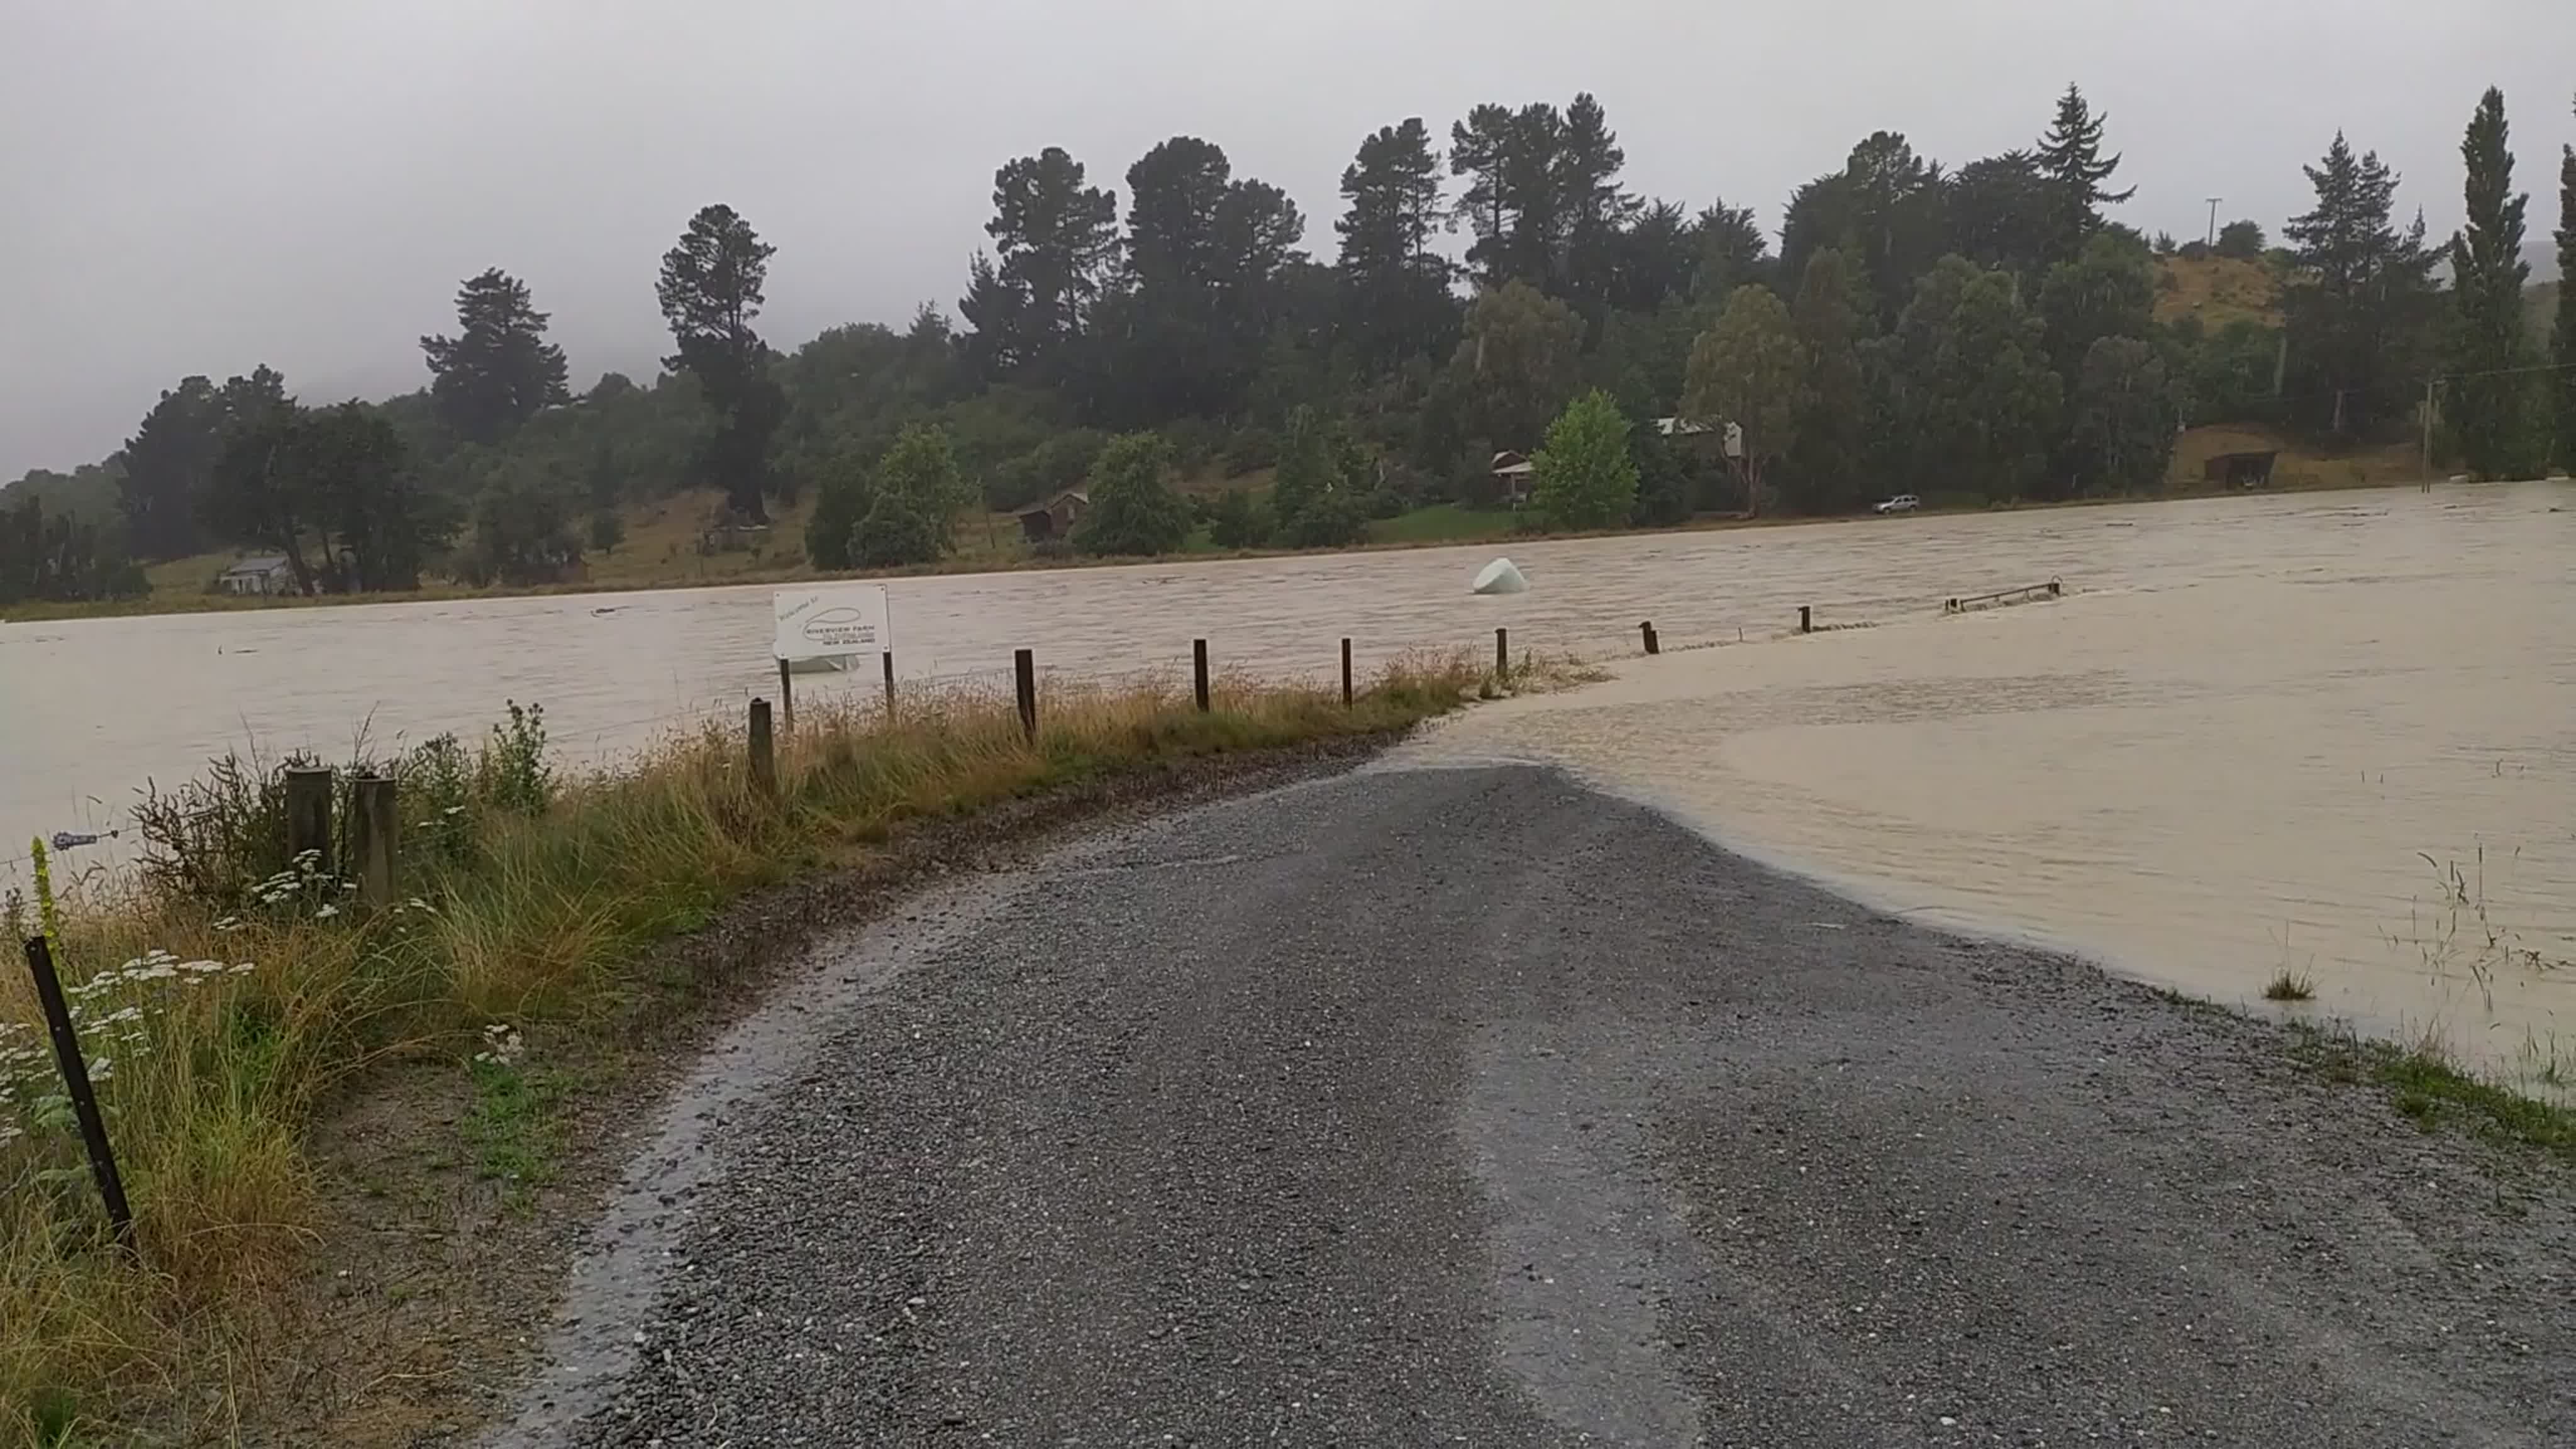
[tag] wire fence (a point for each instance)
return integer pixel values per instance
(600, 742)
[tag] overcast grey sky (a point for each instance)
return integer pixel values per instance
(197, 187)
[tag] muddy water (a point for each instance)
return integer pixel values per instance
(2218, 756)
(89, 710)
(2260, 742)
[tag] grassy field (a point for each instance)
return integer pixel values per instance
(1443, 523)
(2217, 290)
(232, 997)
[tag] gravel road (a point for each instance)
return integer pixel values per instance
(1469, 1106)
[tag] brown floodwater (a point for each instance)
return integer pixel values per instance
(2219, 755)
(2332, 736)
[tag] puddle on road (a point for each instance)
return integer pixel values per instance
(2202, 779)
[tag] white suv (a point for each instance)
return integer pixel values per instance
(1901, 503)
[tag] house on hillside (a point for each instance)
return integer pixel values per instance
(260, 574)
(1056, 517)
(1513, 475)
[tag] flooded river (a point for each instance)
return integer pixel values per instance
(2217, 757)
(2333, 737)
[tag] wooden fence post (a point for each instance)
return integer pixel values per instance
(308, 816)
(1024, 666)
(887, 655)
(1502, 655)
(786, 699)
(1346, 671)
(1648, 630)
(764, 751)
(1806, 619)
(1198, 672)
(374, 839)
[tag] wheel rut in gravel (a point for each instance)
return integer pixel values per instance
(1471, 1106)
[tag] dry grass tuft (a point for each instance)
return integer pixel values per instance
(2290, 986)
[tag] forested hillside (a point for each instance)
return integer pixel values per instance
(1986, 330)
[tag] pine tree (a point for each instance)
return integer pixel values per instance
(1591, 207)
(710, 290)
(2563, 344)
(1516, 203)
(2070, 157)
(2358, 317)
(1205, 260)
(1054, 239)
(499, 370)
(1395, 286)
(1999, 214)
(2488, 271)
(169, 465)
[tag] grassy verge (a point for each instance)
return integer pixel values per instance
(231, 996)
(2434, 1092)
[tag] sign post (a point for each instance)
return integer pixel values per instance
(834, 621)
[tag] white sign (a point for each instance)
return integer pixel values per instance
(1735, 440)
(829, 622)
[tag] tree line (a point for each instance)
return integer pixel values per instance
(1986, 331)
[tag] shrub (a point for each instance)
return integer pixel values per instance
(1237, 520)
(895, 534)
(1043, 471)
(1585, 477)
(513, 773)
(1133, 507)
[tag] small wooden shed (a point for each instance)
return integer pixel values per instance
(1055, 517)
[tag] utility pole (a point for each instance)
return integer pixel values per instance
(2213, 219)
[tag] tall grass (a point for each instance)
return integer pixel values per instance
(533, 899)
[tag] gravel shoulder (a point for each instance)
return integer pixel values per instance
(1470, 1106)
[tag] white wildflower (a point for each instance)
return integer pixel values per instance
(325, 913)
(242, 968)
(453, 810)
(101, 1069)
(502, 1045)
(229, 923)
(201, 968)
(10, 1132)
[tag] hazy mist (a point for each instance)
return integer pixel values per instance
(198, 188)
